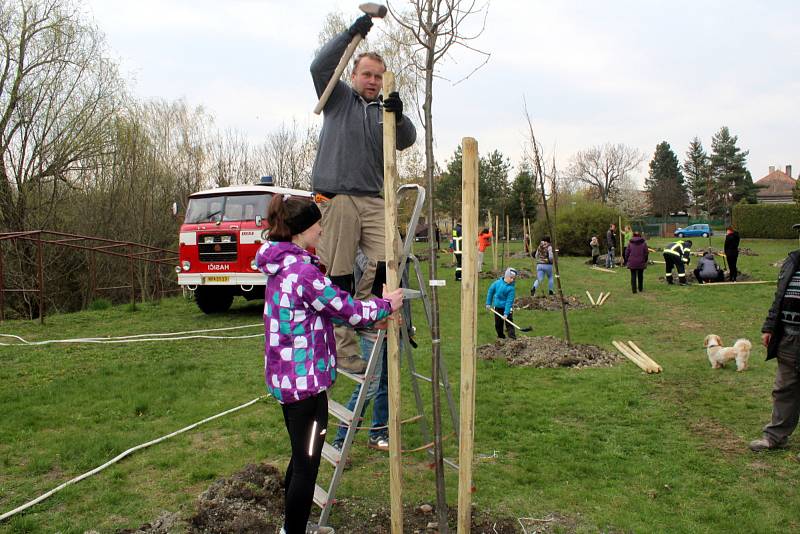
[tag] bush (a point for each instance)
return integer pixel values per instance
(575, 226)
(100, 304)
(771, 221)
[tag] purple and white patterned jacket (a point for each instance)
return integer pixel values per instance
(301, 306)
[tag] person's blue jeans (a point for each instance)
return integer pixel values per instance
(543, 269)
(377, 390)
(610, 258)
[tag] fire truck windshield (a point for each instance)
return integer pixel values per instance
(226, 208)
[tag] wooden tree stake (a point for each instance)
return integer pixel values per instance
(393, 331)
(469, 329)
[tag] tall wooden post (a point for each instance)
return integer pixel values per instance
(508, 237)
(496, 239)
(469, 328)
(493, 227)
(393, 331)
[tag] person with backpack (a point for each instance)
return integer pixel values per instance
(501, 298)
(544, 265)
(301, 305)
(635, 256)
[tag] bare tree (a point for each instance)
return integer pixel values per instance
(603, 167)
(288, 155)
(534, 155)
(436, 26)
(58, 95)
(232, 159)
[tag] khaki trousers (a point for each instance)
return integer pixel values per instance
(349, 223)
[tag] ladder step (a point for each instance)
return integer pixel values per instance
(320, 496)
(427, 379)
(411, 293)
(351, 376)
(340, 412)
(331, 453)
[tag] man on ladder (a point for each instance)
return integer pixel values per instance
(347, 178)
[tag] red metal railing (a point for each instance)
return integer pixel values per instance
(134, 252)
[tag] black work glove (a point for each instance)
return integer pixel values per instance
(393, 104)
(361, 26)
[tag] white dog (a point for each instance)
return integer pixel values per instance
(719, 355)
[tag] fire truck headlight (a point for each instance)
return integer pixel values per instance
(178, 269)
(185, 265)
(253, 264)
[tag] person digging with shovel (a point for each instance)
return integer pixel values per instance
(500, 298)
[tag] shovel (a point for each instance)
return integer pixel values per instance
(526, 329)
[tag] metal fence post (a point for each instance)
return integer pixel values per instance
(39, 254)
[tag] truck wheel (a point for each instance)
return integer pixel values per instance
(705, 234)
(211, 299)
(680, 234)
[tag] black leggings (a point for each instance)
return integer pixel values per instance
(301, 475)
(732, 259)
(637, 279)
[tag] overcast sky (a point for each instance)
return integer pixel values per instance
(633, 72)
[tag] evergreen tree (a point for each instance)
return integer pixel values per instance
(697, 173)
(665, 182)
(448, 187)
(523, 190)
(731, 179)
(493, 186)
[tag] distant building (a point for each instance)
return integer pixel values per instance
(777, 186)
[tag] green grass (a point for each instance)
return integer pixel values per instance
(615, 449)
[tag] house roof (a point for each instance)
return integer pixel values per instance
(776, 183)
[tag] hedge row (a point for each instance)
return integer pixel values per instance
(770, 221)
(575, 226)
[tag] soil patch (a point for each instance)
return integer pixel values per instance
(251, 502)
(521, 274)
(547, 352)
(718, 437)
(549, 303)
(741, 277)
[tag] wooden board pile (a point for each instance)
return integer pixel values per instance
(637, 356)
(600, 300)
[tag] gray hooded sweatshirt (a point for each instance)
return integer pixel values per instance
(350, 154)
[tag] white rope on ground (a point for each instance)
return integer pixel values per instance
(120, 457)
(138, 337)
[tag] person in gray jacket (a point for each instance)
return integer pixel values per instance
(707, 269)
(347, 177)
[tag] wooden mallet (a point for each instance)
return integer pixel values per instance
(375, 11)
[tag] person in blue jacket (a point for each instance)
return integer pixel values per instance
(501, 298)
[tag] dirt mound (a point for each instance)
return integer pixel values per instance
(165, 524)
(249, 501)
(549, 303)
(417, 521)
(741, 277)
(521, 274)
(547, 352)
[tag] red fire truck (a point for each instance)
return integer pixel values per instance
(219, 238)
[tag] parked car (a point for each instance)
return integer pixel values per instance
(694, 230)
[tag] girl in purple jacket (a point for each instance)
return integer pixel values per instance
(300, 308)
(636, 256)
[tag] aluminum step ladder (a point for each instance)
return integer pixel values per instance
(338, 459)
